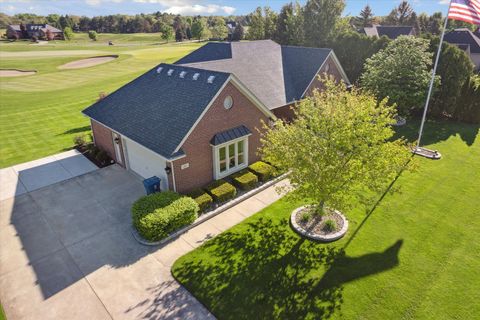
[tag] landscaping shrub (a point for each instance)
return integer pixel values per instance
(263, 170)
(245, 180)
(203, 199)
(80, 140)
(330, 225)
(102, 157)
(306, 216)
(157, 215)
(221, 190)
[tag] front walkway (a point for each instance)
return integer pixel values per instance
(66, 252)
(33, 175)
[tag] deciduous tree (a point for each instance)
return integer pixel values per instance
(338, 148)
(320, 19)
(401, 72)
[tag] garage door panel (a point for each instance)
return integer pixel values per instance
(146, 163)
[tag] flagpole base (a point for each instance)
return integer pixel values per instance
(427, 153)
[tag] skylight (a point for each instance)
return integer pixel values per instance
(170, 72)
(182, 74)
(210, 79)
(196, 75)
(159, 69)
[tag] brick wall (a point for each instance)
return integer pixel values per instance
(104, 140)
(286, 112)
(197, 147)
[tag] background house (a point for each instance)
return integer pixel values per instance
(391, 32)
(28, 31)
(468, 41)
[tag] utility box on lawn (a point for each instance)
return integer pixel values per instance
(152, 185)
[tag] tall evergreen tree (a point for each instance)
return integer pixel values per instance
(270, 22)
(238, 32)
(281, 30)
(365, 18)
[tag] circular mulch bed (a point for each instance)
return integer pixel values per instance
(315, 227)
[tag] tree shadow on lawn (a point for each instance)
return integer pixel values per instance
(437, 131)
(264, 271)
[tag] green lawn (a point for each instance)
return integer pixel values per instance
(40, 114)
(415, 255)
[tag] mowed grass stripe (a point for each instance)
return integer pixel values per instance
(39, 114)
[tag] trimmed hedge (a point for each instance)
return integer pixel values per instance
(245, 180)
(202, 198)
(157, 215)
(221, 190)
(263, 170)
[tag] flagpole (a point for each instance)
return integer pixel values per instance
(432, 81)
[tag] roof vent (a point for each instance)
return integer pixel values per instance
(210, 79)
(196, 75)
(182, 74)
(159, 69)
(170, 72)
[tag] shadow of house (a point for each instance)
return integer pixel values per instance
(71, 228)
(264, 271)
(346, 269)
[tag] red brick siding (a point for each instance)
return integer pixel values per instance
(104, 140)
(197, 147)
(286, 113)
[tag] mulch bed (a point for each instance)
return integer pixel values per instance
(86, 152)
(316, 224)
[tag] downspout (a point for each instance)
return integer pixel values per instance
(173, 176)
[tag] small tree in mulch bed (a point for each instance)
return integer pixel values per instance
(338, 148)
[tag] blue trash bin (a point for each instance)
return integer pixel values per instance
(152, 184)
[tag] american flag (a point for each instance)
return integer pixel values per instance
(465, 10)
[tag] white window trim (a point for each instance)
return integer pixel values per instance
(216, 161)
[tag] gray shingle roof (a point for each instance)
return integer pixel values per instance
(157, 110)
(465, 37)
(276, 74)
(392, 32)
(229, 135)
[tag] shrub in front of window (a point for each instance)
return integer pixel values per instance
(245, 180)
(203, 199)
(157, 215)
(221, 190)
(263, 170)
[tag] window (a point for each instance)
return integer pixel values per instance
(230, 157)
(228, 102)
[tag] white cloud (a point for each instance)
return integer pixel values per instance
(190, 7)
(98, 2)
(444, 2)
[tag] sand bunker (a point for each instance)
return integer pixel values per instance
(89, 62)
(16, 73)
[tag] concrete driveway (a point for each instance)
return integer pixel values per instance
(33, 175)
(66, 252)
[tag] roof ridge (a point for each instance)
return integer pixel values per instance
(303, 47)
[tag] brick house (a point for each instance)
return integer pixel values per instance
(199, 119)
(28, 31)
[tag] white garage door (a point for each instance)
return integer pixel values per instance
(146, 163)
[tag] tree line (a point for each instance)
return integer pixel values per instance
(182, 27)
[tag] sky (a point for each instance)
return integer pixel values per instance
(192, 7)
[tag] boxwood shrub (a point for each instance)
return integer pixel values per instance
(263, 170)
(202, 198)
(157, 215)
(221, 190)
(245, 180)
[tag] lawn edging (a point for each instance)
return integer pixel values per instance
(313, 236)
(208, 215)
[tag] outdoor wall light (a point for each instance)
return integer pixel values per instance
(117, 140)
(168, 170)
